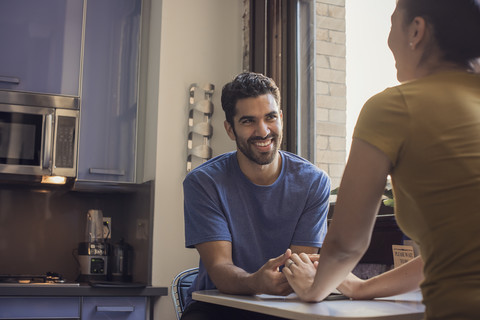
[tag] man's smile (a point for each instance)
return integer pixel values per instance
(264, 143)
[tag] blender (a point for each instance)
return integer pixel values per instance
(93, 253)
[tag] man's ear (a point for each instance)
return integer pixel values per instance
(229, 129)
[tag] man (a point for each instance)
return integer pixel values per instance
(242, 208)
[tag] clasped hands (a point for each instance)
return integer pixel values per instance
(300, 270)
(271, 281)
(297, 275)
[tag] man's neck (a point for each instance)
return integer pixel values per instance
(263, 175)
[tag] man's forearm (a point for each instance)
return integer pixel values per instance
(231, 279)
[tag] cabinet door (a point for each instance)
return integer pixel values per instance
(41, 45)
(114, 308)
(39, 308)
(108, 112)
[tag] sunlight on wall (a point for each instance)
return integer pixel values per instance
(370, 64)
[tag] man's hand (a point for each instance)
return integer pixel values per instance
(228, 278)
(314, 258)
(269, 278)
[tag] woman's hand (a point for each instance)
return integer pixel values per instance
(351, 287)
(300, 272)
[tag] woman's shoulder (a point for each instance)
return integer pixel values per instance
(386, 99)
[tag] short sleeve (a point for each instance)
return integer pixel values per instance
(204, 219)
(312, 225)
(384, 123)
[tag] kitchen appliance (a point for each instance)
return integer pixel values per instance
(93, 253)
(38, 134)
(120, 262)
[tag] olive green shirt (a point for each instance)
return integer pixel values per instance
(430, 130)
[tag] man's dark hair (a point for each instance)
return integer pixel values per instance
(246, 85)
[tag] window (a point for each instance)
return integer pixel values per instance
(314, 50)
(281, 41)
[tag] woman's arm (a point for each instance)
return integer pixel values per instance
(404, 278)
(349, 233)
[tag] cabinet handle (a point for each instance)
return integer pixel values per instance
(47, 152)
(114, 172)
(7, 79)
(115, 309)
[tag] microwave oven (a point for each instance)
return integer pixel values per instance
(38, 134)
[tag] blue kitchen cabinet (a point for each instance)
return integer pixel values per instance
(39, 308)
(41, 45)
(84, 308)
(108, 111)
(114, 308)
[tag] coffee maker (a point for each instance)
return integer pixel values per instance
(93, 252)
(120, 262)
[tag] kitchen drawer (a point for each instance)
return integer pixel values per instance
(114, 308)
(39, 308)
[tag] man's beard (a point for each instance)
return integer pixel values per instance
(262, 158)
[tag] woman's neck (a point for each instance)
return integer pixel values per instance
(437, 65)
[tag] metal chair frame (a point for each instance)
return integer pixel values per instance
(183, 280)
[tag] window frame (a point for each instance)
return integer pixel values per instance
(278, 51)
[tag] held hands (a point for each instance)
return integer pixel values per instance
(300, 272)
(269, 278)
(300, 275)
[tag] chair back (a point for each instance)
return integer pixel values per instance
(179, 287)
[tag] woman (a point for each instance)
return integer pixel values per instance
(425, 133)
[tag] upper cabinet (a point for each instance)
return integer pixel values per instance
(109, 94)
(41, 45)
(85, 48)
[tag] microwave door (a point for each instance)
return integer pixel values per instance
(25, 135)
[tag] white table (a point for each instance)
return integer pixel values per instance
(405, 307)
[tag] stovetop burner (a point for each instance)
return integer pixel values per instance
(50, 278)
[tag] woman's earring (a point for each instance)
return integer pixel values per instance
(411, 45)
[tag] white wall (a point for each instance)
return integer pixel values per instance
(370, 63)
(191, 41)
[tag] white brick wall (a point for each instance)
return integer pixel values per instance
(330, 88)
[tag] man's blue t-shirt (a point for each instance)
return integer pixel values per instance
(261, 222)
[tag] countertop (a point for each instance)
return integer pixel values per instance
(81, 290)
(401, 307)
